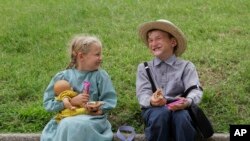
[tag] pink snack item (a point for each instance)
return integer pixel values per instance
(86, 86)
(173, 103)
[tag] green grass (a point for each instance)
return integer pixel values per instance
(34, 36)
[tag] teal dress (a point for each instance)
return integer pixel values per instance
(81, 127)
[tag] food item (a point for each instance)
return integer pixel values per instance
(178, 101)
(159, 94)
(95, 102)
(86, 86)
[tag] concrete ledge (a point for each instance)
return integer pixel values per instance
(139, 137)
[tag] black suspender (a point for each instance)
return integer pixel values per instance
(149, 76)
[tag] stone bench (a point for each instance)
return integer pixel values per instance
(139, 137)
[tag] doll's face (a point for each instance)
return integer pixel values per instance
(61, 86)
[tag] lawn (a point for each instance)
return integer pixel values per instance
(34, 35)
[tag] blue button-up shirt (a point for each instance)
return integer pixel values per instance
(173, 76)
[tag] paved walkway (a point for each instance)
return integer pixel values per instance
(139, 137)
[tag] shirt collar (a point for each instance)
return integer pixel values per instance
(169, 61)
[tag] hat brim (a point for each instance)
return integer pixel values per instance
(166, 26)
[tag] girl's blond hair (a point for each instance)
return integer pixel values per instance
(81, 43)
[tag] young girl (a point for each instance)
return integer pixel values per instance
(86, 58)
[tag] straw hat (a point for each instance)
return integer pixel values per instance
(167, 26)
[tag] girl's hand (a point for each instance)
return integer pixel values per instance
(80, 100)
(94, 106)
(99, 112)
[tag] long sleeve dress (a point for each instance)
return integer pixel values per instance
(80, 127)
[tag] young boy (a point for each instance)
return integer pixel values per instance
(172, 76)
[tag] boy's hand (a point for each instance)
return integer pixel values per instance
(157, 99)
(182, 103)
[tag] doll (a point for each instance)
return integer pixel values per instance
(64, 93)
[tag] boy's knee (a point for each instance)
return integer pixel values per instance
(161, 114)
(181, 117)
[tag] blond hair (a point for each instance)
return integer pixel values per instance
(81, 43)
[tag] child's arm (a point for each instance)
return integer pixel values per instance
(107, 93)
